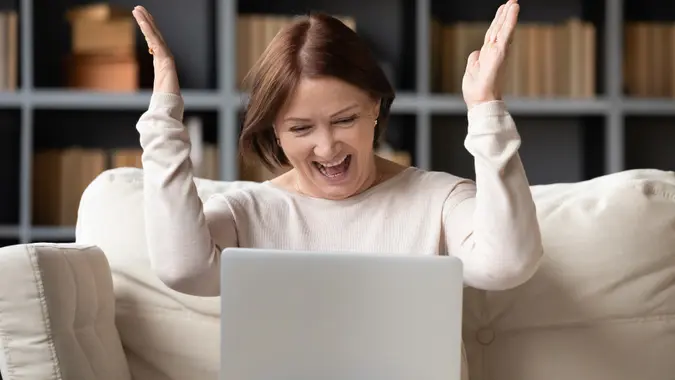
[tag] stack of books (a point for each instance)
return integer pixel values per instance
(103, 49)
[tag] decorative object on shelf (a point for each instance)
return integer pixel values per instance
(103, 43)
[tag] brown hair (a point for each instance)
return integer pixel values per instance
(315, 46)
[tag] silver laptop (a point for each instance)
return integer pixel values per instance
(289, 315)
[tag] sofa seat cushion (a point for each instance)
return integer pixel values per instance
(602, 305)
(57, 314)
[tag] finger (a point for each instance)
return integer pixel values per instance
(473, 59)
(148, 14)
(151, 21)
(506, 32)
(153, 24)
(142, 15)
(500, 20)
(492, 31)
(142, 22)
(153, 40)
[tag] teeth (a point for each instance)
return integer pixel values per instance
(333, 163)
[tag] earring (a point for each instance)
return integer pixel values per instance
(376, 122)
(278, 142)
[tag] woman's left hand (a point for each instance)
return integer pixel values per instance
(483, 79)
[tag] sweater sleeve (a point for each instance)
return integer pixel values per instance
(491, 225)
(184, 237)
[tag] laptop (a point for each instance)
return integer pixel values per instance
(293, 315)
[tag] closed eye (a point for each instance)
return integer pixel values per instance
(300, 128)
(347, 120)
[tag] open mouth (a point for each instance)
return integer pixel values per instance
(335, 169)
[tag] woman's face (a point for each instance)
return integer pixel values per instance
(326, 130)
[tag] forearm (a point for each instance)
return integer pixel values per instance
(181, 250)
(504, 246)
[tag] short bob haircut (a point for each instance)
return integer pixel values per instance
(318, 45)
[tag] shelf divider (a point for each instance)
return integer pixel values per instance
(423, 56)
(228, 128)
(26, 150)
(614, 124)
(26, 53)
(423, 143)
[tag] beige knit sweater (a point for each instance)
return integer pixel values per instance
(492, 227)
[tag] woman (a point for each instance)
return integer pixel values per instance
(318, 102)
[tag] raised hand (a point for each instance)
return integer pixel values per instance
(166, 77)
(483, 79)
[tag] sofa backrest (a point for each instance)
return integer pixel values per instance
(166, 334)
(600, 306)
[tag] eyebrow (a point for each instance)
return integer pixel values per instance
(333, 115)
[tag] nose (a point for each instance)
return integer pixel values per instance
(326, 144)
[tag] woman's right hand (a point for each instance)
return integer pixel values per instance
(166, 77)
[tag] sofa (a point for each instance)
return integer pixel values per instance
(600, 307)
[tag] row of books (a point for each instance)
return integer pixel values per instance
(60, 176)
(254, 34)
(649, 59)
(9, 50)
(544, 60)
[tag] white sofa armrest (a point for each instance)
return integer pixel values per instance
(57, 314)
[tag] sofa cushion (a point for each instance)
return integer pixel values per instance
(57, 314)
(602, 305)
(166, 334)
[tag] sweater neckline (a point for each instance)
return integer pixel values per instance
(353, 199)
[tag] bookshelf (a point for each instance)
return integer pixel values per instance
(566, 138)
